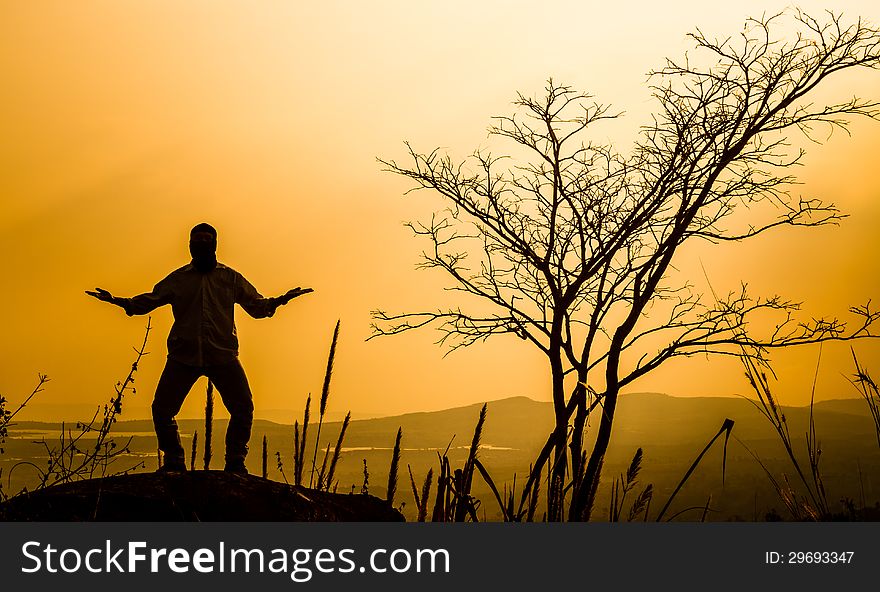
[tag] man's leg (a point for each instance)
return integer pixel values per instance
(232, 384)
(175, 383)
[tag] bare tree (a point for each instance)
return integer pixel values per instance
(573, 244)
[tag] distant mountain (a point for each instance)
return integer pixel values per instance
(853, 406)
(670, 430)
(519, 422)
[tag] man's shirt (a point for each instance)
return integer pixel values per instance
(203, 304)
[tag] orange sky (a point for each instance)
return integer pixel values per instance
(125, 123)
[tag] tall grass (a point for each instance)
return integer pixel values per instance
(869, 391)
(466, 505)
(337, 451)
(195, 444)
(209, 423)
(621, 487)
(321, 478)
(299, 444)
(421, 500)
(453, 487)
(279, 464)
(453, 501)
(815, 505)
(265, 459)
(626, 483)
(325, 393)
(392, 472)
(726, 428)
(322, 473)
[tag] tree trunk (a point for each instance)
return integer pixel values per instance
(582, 502)
(577, 435)
(558, 462)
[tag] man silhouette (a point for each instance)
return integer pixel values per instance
(203, 342)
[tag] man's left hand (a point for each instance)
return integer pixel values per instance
(291, 294)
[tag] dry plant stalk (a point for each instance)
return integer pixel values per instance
(816, 506)
(392, 472)
(280, 466)
(322, 474)
(195, 446)
(337, 451)
(365, 486)
(265, 459)
(209, 423)
(299, 444)
(866, 386)
(453, 501)
(621, 487)
(325, 394)
(726, 428)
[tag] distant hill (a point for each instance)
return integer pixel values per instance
(853, 406)
(522, 423)
(671, 431)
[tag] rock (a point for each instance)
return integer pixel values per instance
(196, 496)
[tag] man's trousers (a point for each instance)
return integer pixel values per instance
(231, 383)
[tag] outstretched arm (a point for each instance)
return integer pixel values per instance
(258, 306)
(140, 304)
(105, 296)
(291, 294)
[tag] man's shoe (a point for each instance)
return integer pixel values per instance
(172, 467)
(236, 467)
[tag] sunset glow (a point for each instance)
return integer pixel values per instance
(126, 123)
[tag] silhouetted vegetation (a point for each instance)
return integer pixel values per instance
(6, 417)
(264, 472)
(326, 479)
(325, 393)
(572, 245)
(391, 490)
(421, 500)
(323, 478)
(454, 502)
(807, 499)
(868, 390)
(71, 461)
(299, 444)
(209, 424)
(365, 486)
(194, 451)
(622, 486)
(90, 451)
(726, 428)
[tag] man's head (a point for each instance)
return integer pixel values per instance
(203, 246)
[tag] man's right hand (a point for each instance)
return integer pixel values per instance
(102, 295)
